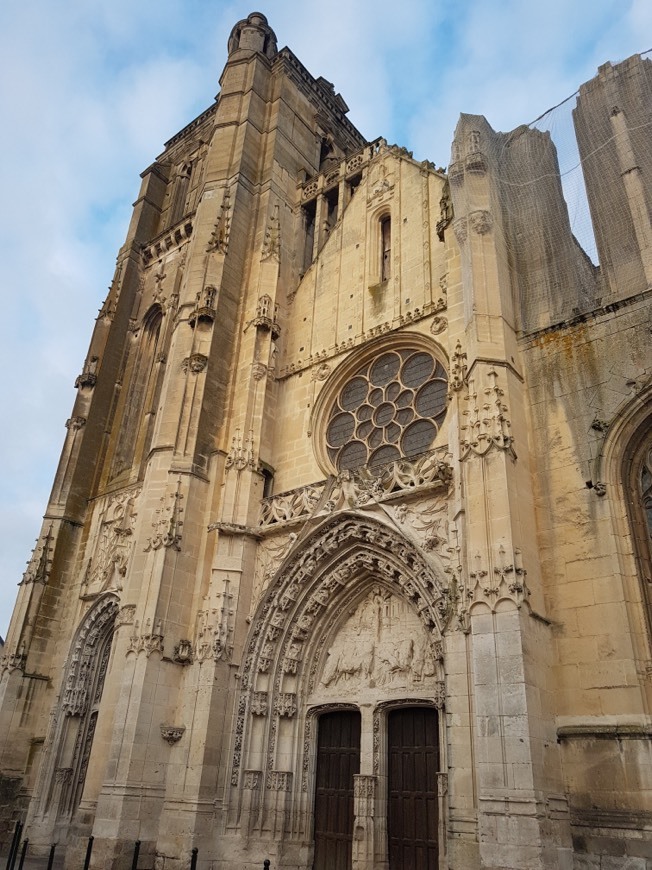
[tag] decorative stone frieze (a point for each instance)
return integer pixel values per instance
(168, 241)
(148, 642)
(358, 488)
(14, 661)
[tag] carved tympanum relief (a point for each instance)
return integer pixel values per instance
(383, 644)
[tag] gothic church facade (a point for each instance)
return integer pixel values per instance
(347, 559)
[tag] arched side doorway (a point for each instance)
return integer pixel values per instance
(68, 747)
(351, 626)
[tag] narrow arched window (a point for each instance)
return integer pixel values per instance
(385, 248)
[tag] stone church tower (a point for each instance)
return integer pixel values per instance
(347, 558)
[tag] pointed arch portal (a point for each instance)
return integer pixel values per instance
(350, 630)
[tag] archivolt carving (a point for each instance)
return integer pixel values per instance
(81, 669)
(329, 571)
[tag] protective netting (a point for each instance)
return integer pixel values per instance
(574, 189)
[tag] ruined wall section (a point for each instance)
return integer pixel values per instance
(550, 275)
(613, 122)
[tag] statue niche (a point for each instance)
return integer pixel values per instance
(382, 644)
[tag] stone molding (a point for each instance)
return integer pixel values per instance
(354, 489)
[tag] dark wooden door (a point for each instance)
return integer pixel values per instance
(413, 807)
(338, 759)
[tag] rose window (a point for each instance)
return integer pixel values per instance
(391, 407)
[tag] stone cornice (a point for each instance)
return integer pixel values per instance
(605, 732)
(318, 94)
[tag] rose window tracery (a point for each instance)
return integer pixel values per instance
(391, 407)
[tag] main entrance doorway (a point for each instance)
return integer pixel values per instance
(413, 807)
(338, 760)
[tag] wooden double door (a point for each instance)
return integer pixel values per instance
(412, 802)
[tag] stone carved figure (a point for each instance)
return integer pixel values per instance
(382, 644)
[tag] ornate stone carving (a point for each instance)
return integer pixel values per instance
(109, 561)
(204, 310)
(88, 377)
(148, 642)
(364, 786)
(172, 733)
(357, 488)
(480, 221)
(487, 426)
(14, 661)
(63, 775)
(269, 556)
(219, 240)
(241, 453)
(461, 230)
(38, 568)
(167, 522)
(195, 363)
(183, 652)
(438, 325)
(290, 505)
(215, 629)
(430, 522)
(266, 316)
(125, 615)
(321, 372)
(74, 424)
(252, 779)
(285, 705)
(272, 241)
(259, 704)
(258, 371)
(279, 780)
(381, 182)
(458, 369)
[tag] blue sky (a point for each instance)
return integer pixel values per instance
(91, 89)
